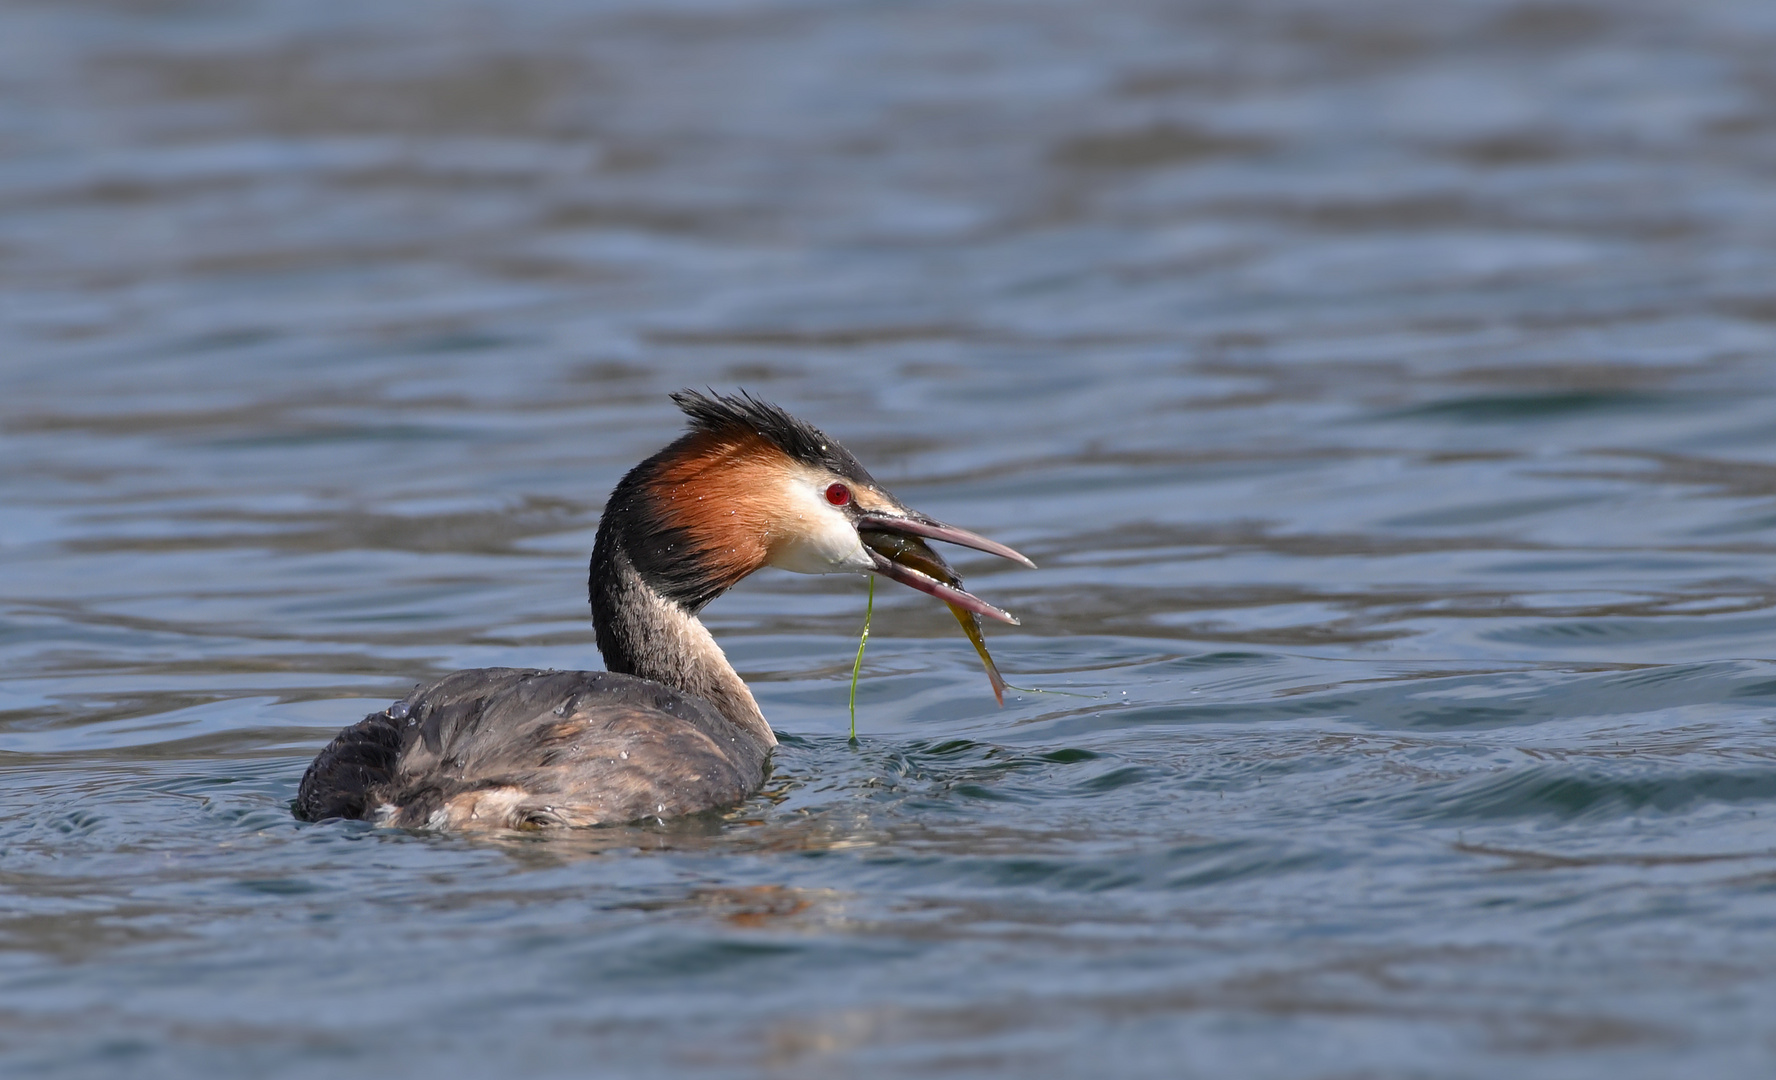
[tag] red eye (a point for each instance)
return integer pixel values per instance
(838, 494)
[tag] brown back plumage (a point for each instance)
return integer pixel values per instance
(512, 748)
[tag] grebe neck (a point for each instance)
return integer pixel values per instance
(645, 634)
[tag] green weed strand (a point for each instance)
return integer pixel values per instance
(857, 665)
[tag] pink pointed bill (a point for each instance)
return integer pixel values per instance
(937, 530)
(949, 594)
(898, 551)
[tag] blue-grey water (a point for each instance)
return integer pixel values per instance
(1386, 389)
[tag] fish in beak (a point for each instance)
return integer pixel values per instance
(896, 544)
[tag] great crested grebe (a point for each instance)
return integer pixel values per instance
(669, 728)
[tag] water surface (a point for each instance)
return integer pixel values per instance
(1387, 391)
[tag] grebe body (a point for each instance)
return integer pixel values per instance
(669, 728)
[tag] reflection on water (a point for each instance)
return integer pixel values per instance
(1384, 389)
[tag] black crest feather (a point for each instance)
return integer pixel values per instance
(720, 414)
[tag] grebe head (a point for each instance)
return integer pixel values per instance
(751, 486)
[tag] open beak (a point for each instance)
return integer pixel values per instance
(897, 547)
